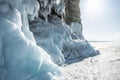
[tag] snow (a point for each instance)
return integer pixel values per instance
(101, 67)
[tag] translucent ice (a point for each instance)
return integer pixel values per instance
(20, 57)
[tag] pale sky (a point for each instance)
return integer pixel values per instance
(101, 19)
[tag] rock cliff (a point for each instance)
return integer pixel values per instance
(72, 11)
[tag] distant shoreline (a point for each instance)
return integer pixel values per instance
(103, 41)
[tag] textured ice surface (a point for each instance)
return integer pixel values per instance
(47, 34)
(59, 8)
(76, 30)
(49, 37)
(20, 57)
(74, 44)
(27, 11)
(56, 37)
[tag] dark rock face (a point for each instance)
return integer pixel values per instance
(72, 11)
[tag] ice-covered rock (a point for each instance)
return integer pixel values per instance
(59, 8)
(20, 57)
(78, 49)
(74, 44)
(77, 30)
(48, 7)
(57, 37)
(44, 10)
(49, 37)
(48, 29)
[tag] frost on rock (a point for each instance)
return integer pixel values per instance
(76, 30)
(48, 29)
(56, 37)
(20, 57)
(59, 9)
(29, 55)
(75, 46)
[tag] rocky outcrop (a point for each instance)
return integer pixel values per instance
(26, 55)
(49, 30)
(72, 11)
(60, 40)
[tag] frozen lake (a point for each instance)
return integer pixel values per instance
(105, 66)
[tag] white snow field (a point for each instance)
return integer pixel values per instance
(105, 66)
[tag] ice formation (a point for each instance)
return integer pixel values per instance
(48, 35)
(60, 40)
(33, 35)
(20, 57)
(49, 38)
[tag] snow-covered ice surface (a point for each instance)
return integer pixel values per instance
(105, 66)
